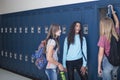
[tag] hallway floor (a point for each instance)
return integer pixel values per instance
(6, 75)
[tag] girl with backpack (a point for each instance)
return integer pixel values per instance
(107, 29)
(72, 52)
(52, 48)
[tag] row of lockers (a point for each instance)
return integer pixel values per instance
(36, 29)
(28, 30)
(27, 44)
(16, 56)
(20, 63)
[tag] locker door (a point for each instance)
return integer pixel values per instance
(1, 43)
(90, 30)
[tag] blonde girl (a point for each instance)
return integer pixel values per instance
(107, 29)
(52, 49)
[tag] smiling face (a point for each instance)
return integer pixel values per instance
(77, 28)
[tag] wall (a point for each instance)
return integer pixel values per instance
(23, 5)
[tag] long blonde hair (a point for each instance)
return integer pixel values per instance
(51, 33)
(107, 28)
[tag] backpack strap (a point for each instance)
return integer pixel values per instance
(82, 50)
(42, 44)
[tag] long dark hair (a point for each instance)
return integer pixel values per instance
(71, 33)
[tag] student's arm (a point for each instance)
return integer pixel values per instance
(100, 57)
(65, 50)
(84, 48)
(50, 58)
(115, 17)
(50, 53)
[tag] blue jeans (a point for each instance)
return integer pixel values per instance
(51, 73)
(108, 69)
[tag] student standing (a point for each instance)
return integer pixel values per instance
(72, 52)
(52, 49)
(107, 29)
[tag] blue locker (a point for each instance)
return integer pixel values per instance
(0, 39)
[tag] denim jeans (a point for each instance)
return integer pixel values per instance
(108, 69)
(51, 73)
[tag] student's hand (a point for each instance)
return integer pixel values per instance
(65, 69)
(61, 68)
(99, 71)
(111, 7)
(83, 70)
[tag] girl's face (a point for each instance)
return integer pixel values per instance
(77, 28)
(58, 33)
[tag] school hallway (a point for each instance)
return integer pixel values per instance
(25, 23)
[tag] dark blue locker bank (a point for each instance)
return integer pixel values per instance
(21, 33)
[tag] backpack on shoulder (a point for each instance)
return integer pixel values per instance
(114, 56)
(40, 56)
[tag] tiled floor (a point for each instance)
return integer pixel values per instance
(6, 75)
